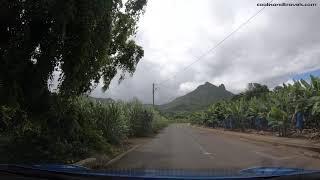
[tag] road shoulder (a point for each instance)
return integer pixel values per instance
(103, 161)
(312, 146)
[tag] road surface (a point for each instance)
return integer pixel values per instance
(181, 146)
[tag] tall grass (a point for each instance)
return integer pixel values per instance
(75, 128)
(159, 122)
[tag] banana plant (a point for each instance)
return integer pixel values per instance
(281, 110)
(278, 119)
(258, 108)
(237, 110)
(315, 83)
(216, 114)
(278, 107)
(310, 103)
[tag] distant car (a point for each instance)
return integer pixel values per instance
(51, 171)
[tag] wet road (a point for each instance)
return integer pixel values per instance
(180, 146)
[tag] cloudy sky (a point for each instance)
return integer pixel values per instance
(278, 45)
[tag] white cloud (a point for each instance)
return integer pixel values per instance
(290, 81)
(278, 44)
(187, 87)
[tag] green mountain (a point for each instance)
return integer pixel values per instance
(203, 96)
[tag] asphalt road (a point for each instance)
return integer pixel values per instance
(180, 146)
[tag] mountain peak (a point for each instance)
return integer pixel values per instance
(203, 96)
(222, 86)
(207, 83)
(205, 87)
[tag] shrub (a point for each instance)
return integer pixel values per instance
(140, 119)
(159, 122)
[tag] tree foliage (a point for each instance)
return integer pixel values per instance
(84, 40)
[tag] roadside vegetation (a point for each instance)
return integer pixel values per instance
(286, 110)
(73, 129)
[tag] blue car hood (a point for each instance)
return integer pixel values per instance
(171, 174)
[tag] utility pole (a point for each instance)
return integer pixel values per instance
(153, 94)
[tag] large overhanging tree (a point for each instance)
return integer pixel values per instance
(87, 40)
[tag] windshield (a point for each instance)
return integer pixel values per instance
(162, 84)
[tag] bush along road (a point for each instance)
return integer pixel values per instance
(74, 129)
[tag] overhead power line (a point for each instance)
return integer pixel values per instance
(217, 45)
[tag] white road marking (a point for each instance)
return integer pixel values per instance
(202, 149)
